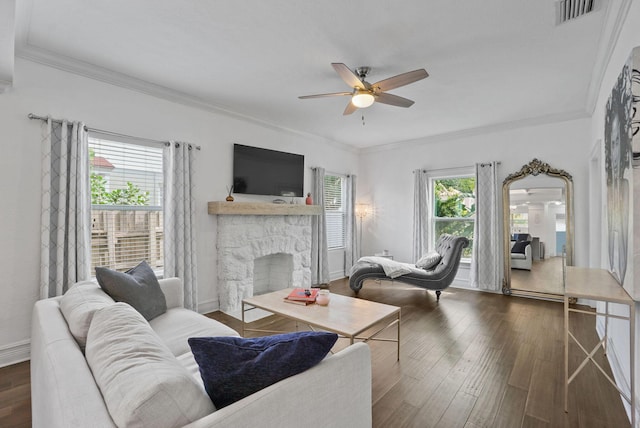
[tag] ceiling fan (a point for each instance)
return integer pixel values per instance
(365, 94)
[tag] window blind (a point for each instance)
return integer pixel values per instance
(334, 210)
(126, 204)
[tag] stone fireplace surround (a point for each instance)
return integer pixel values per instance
(261, 247)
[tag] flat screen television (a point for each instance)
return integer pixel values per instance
(258, 171)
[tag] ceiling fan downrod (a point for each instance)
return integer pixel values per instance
(362, 72)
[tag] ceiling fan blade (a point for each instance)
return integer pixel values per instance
(393, 100)
(350, 109)
(400, 80)
(334, 94)
(349, 77)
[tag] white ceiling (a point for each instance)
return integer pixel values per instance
(492, 63)
(538, 195)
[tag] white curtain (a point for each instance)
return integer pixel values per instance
(319, 246)
(420, 214)
(486, 262)
(179, 219)
(65, 255)
(352, 250)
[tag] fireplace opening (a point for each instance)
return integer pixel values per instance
(272, 272)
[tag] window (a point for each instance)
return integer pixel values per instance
(454, 208)
(334, 200)
(126, 204)
(519, 222)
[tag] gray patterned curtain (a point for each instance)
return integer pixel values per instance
(179, 219)
(486, 262)
(420, 214)
(66, 207)
(352, 250)
(319, 246)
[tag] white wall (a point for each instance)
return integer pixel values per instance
(387, 179)
(7, 43)
(46, 91)
(618, 330)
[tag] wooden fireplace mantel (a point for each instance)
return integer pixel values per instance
(261, 208)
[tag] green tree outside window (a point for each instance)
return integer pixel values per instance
(455, 208)
(131, 195)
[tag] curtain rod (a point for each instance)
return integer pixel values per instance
(313, 168)
(115, 134)
(458, 167)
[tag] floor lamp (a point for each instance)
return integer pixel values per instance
(362, 210)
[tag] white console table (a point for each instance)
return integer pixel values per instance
(598, 285)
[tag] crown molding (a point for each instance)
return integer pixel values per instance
(608, 40)
(91, 71)
(481, 130)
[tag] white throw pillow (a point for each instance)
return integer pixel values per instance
(429, 260)
(79, 304)
(142, 382)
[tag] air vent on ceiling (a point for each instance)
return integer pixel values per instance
(572, 9)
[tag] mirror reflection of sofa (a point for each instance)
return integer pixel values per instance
(521, 254)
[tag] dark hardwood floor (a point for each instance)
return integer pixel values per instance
(484, 360)
(472, 360)
(15, 396)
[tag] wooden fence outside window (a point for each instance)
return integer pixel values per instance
(124, 236)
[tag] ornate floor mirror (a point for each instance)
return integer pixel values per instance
(540, 273)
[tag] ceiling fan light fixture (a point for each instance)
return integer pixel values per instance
(362, 99)
(363, 94)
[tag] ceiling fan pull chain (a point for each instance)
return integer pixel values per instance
(363, 120)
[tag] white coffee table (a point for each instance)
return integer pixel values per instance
(344, 315)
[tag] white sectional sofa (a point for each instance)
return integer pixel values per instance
(334, 393)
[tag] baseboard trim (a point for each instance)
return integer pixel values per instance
(336, 275)
(208, 306)
(618, 371)
(464, 285)
(15, 353)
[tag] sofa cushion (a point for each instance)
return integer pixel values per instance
(79, 304)
(187, 361)
(233, 367)
(429, 260)
(138, 287)
(177, 325)
(142, 382)
(519, 247)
